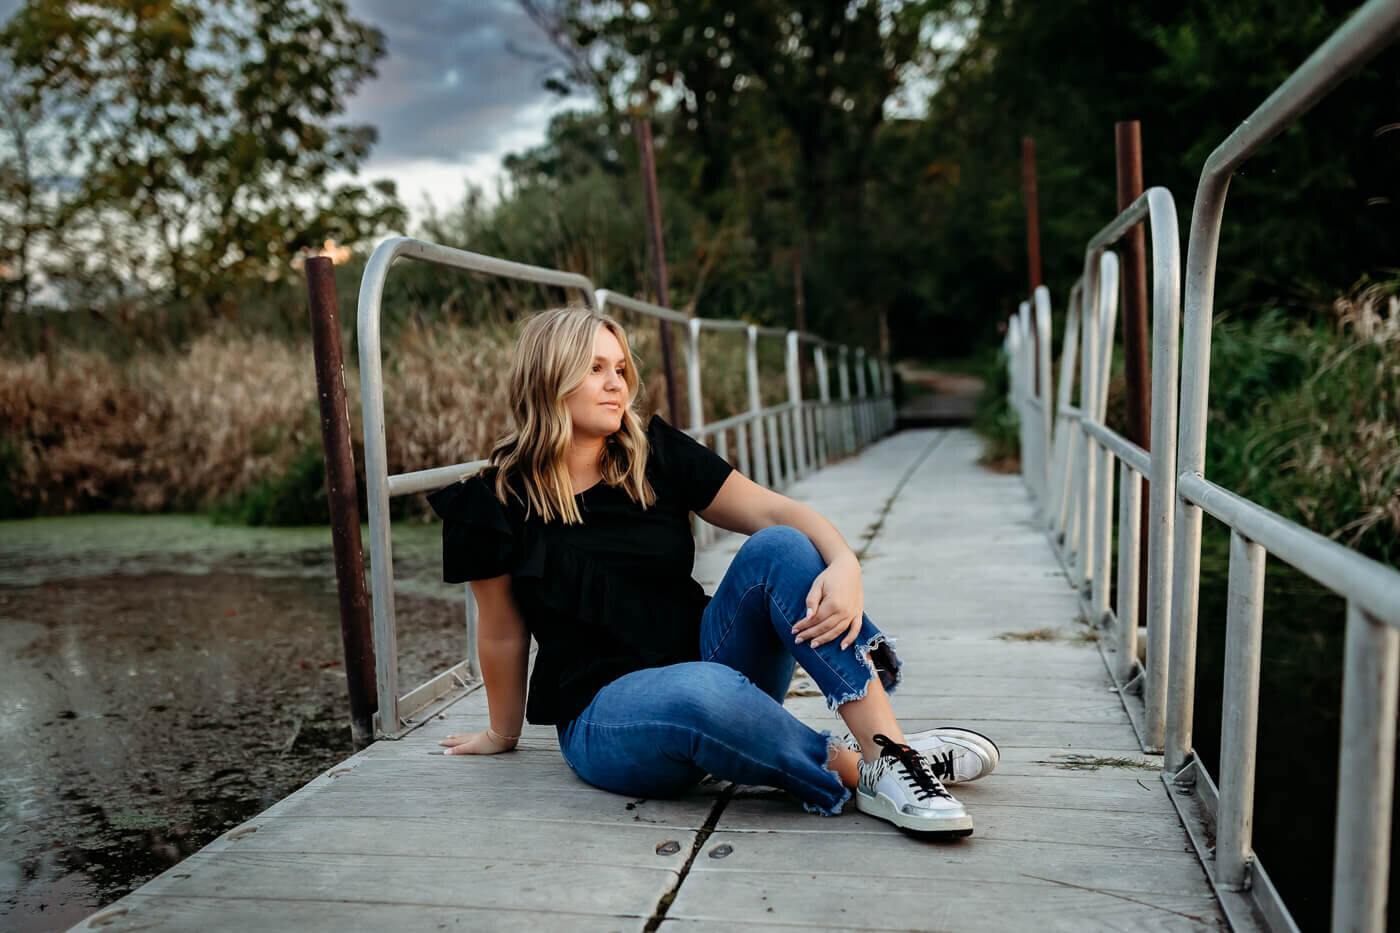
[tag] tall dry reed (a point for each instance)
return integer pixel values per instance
(184, 431)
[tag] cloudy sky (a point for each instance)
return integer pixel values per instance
(451, 98)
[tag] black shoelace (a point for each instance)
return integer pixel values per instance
(942, 765)
(926, 783)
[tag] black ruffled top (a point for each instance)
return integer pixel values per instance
(603, 598)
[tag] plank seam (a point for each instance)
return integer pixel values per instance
(669, 898)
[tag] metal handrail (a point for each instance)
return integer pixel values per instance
(804, 435)
(1372, 661)
(1079, 491)
(377, 478)
(1219, 820)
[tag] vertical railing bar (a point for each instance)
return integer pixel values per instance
(760, 442)
(824, 411)
(775, 459)
(857, 393)
(1166, 339)
(1366, 773)
(697, 410)
(1103, 534)
(844, 378)
(1129, 560)
(1045, 446)
(792, 361)
(692, 373)
(809, 435)
(786, 419)
(1239, 726)
(1064, 436)
(741, 448)
(1108, 318)
(472, 614)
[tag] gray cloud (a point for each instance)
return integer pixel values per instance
(450, 86)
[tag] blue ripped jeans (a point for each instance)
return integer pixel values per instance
(655, 732)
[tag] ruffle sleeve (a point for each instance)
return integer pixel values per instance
(479, 539)
(691, 470)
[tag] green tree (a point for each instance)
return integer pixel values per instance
(783, 102)
(207, 128)
(1312, 212)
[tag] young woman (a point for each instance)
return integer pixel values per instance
(578, 533)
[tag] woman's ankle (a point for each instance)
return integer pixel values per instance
(843, 762)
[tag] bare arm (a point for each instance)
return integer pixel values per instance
(744, 506)
(503, 646)
(837, 600)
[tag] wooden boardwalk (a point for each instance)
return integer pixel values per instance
(1074, 831)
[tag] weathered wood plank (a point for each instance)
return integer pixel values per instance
(866, 902)
(993, 820)
(507, 882)
(1107, 709)
(1005, 732)
(1142, 871)
(457, 833)
(581, 803)
(147, 912)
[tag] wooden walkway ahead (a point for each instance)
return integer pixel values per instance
(1074, 831)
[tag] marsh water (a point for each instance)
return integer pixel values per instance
(165, 678)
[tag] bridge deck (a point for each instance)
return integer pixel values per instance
(1073, 831)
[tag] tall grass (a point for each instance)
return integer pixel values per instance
(230, 424)
(1305, 419)
(1304, 416)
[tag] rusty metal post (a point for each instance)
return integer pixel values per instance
(341, 493)
(1032, 243)
(642, 130)
(1133, 255)
(1032, 212)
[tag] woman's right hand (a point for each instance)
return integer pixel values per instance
(476, 743)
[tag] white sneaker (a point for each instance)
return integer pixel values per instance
(900, 787)
(957, 755)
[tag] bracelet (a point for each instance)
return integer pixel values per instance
(501, 738)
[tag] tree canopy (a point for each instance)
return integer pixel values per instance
(870, 150)
(193, 144)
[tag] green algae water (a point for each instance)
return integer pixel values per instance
(166, 678)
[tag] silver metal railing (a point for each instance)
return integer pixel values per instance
(1220, 819)
(781, 442)
(1074, 481)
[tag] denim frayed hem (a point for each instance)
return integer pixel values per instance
(832, 743)
(883, 664)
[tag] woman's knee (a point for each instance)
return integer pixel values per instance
(702, 693)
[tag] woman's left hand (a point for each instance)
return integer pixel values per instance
(835, 605)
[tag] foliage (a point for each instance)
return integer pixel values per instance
(1190, 73)
(1305, 420)
(794, 133)
(996, 420)
(228, 424)
(196, 140)
(297, 497)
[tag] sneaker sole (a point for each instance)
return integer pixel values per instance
(884, 808)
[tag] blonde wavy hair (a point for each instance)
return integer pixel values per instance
(552, 357)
